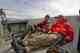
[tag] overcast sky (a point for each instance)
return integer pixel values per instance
(38, 8)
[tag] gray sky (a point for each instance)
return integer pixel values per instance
(38, 8)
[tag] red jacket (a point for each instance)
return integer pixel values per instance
(62, 26)
(43, 26)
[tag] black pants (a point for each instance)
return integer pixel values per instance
(78, 46)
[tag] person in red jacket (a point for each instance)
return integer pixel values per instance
(62, 25)
(43, 26)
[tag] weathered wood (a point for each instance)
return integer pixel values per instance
(38, 40)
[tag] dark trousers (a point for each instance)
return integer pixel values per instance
(78, 46)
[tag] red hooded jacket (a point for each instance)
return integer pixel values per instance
(62, 26)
